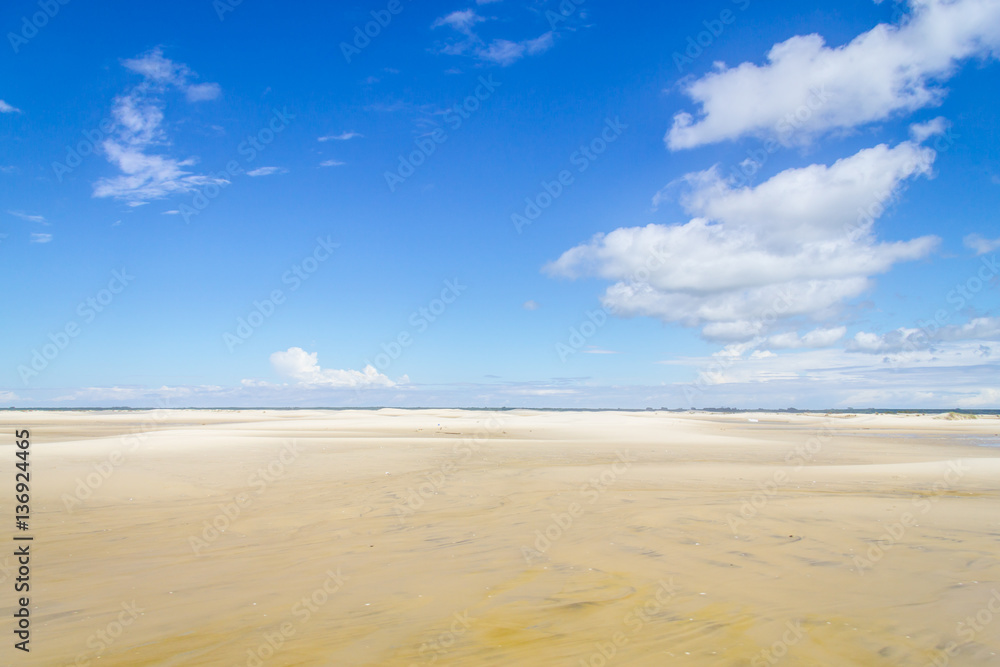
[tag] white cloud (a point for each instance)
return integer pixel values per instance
(531, 305)
(804, 379)
(37, 237)
(332, 163)
(304, 367)
(529, 391)
(6, 108)
(502, 52)
(816, 338)
(138, 116)
(462, 21)
(267, 171)
(162, 394)
(799, 244)
(343, 136)
(158, 70)
(904, 339)
(981, 245)
(29, 217)
(887, 70)
(988, 397)
(200, 92)
(922, 131)
(954, 370)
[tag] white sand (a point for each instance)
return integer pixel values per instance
(782, 576)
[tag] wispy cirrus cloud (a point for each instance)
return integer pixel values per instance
(981, 245)
(163, 71)
(39, 237)
(343, 136)
(7, 108)
(463, 21)
(29, 217)
(332, 163)
(504, 52)
(138, 115)
(498, 51)
(266, 171)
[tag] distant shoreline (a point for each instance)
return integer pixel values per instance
(792, 411)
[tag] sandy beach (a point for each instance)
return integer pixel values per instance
(450, 537)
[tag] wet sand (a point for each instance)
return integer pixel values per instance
(454, 537)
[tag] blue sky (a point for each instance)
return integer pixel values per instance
(501, 204)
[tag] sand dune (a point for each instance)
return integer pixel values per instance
(451, 537)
